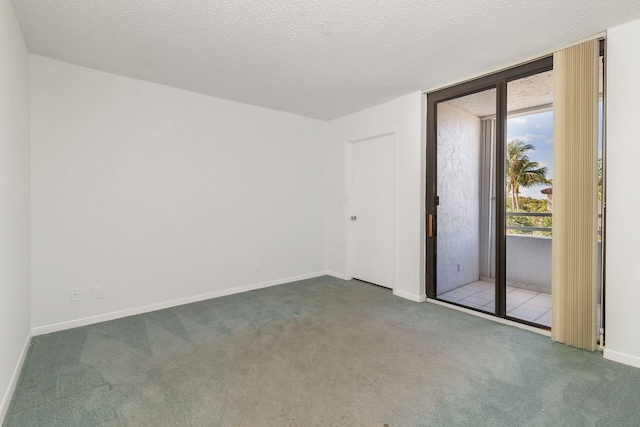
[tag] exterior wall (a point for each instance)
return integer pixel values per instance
(458, 260)
(529, 262)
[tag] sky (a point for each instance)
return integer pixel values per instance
(537, 130)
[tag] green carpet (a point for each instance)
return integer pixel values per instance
(320, 352)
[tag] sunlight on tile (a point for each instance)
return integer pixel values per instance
(523, 304)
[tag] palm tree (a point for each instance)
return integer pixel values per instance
(521, 171)
(600, 179)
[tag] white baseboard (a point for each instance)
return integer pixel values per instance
(6, 400)
(619, 357)
(40, 330)
(334, 274)
(411, 297)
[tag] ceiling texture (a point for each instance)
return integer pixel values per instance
(321, 59)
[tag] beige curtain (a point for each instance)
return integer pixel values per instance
(574, 244)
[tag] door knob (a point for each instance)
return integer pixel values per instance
(353, 218)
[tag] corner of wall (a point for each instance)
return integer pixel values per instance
(410, 296)
(616, 356)
(6, 399)
(15, 203)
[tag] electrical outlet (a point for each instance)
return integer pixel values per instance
(97, 292)
(256, 266)
(74, 294)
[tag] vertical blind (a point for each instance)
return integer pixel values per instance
(574, 244)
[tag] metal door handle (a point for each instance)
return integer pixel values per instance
(430, 225)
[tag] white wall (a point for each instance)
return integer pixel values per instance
(404, 117)
(15, 238)
(529, 262)
(622, 195)
(458, 261)
(158, 194)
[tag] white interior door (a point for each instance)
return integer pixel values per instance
(372, 210)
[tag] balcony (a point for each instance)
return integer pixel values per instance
(528, 276)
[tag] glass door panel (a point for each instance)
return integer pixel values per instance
(465, 245)
(529, 198)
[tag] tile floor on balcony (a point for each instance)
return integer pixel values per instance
(522, 304)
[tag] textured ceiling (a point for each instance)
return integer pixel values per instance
(321, 59)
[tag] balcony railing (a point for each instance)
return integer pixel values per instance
(536, 214)
(526, 227)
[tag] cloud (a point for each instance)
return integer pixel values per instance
(528, 137)
(518, 120)
(549, 141)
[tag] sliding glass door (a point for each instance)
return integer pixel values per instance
(466, 200)
(472, 130)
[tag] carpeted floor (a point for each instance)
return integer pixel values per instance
(320, 352)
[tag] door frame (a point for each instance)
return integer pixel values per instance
(497, 81)
(348, 203)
